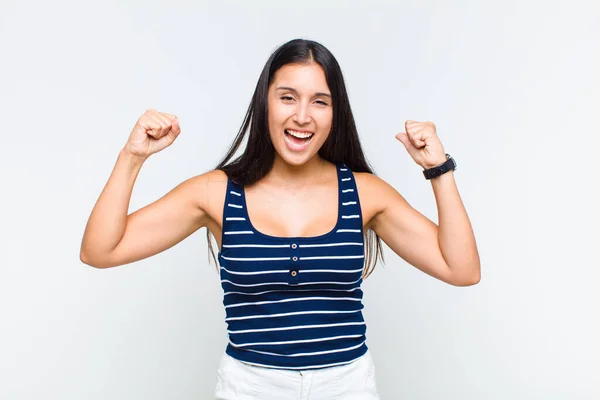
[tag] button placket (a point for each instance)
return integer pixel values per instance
(294, 266)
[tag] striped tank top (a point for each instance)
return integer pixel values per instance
(294, 302)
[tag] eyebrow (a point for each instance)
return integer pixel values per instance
(295, 91)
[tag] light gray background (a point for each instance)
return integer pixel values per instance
(513, 89)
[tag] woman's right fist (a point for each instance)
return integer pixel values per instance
(153, 132)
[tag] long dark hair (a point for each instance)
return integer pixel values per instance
(342, 145)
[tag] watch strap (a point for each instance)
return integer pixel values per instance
(444, 167)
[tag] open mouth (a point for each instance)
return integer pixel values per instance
(298, 139)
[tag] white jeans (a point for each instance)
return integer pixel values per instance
(240, 381)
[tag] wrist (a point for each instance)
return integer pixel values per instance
(433, 172)
(130, 158)
(435, 164)
(446, 176)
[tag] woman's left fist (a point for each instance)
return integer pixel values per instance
(422, 143)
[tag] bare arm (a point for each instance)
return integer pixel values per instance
(106, 224)
(447, 252)
(114, 238)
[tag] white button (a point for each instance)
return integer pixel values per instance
(295, 258)
(294, 273)
(294, 246)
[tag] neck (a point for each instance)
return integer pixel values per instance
(286, 174)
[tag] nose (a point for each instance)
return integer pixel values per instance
(302, 114)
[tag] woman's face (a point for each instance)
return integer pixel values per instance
(300, 112)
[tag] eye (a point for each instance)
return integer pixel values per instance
(322, 102)
(287, 98)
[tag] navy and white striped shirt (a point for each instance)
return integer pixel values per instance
(294, 302)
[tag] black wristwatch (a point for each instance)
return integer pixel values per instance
(444, 167)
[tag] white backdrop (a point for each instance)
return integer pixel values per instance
(512, 86)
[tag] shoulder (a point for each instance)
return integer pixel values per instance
(205, 182)
(204, 190)
(367, 180)
(370, 184)
(376, 195)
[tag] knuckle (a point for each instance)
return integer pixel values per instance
(144, 120)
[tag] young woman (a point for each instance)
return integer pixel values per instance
(298, 218)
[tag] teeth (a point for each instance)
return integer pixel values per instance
(300, 135)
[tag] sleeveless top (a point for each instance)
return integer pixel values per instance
(294, 302)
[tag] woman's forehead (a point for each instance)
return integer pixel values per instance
(301, 77)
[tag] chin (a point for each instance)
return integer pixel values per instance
(295, 160)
